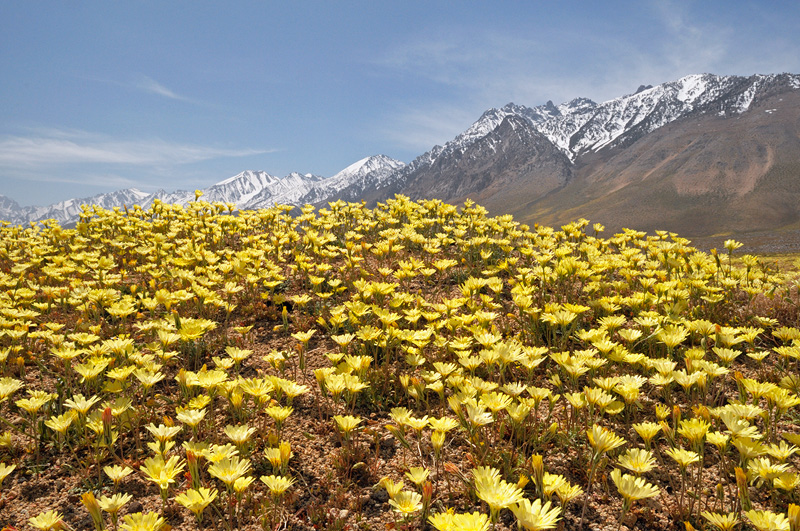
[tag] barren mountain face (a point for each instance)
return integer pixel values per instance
(698, 176)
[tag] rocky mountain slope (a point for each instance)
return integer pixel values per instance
(702, 175)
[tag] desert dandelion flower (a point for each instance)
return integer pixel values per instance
(637, 461)
(229, 469)
(722, 522)
(113, 504)
(632, 489)
(277, 485)
(497, 493)
(117, 473)
(47, 521)
(162, 472)
(768, 520)
(142, 522)
(536, 516)
(196, 500)
(406, 502)
(418, 475)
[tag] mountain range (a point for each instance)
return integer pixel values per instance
(705, 156)
(248, 190)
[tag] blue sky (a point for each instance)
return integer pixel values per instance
(98, 96)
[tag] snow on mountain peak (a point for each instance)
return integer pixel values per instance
(353, 168)
(240, 188)
(582, 125)
(367, 165)
(370, 170)
(248, 176)
(479, 129)
(577, 105)
(691, 87)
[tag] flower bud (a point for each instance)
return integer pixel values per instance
(90, 502)
(794, 517)
(741, 483)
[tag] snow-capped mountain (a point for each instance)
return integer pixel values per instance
(69, 211)
(286, 191)
(181, 197)
(241, 188)
(581, 126)
(8, 207)
(247, 190)
(514, 161)
(368, 171)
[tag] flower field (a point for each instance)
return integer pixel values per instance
(414, 366)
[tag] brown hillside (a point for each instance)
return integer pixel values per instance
(698, 176)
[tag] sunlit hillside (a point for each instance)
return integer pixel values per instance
(413, 366)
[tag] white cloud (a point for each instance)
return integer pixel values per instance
(152, 86)
(450, 77)
(148, 85)
(420, 129)
(691, 46)
(61, 147)
(478, 62)
(484, 67)
(99, 180)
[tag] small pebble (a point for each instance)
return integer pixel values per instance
(380, 495)
(134, 507)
